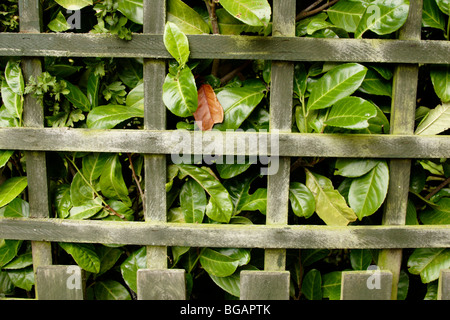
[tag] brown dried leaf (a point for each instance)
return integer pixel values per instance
(209, 111)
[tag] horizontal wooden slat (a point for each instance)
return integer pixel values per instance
(232, 236)
(231, 143)
(229, 47)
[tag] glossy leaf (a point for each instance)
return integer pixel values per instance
(180, 93)
(432, 16)
(8, 250)
(331, 285)
(14, 77)
(228, 171)
(428, 262)
(251, 12)
(228, 25)
(59, 24)
(13, 102)
(192, 201)
(257, 201)
(93, 88)
(383, 17)
(137, 260)
(312, 285)
(108, 116)
(112, 184)
(209, 111)
(444, 5)
(238, 103)
(231, 284)
(360, 259)
(80, 190)
(110, 290)
(375, 84)
(440, 77)
(176, 43)
(437, 121)
(338, 83)
(351, 113)
(84, 255)
(186, 18)
(11, 188)
(353, 168)
(21, 261)
(77, 97)
(135, 99)
(302, 200)
(132, 9)
(93, 164)
(367, 193)
(5, 155)
(437, 216)
(86, 210)
(62, 201)
(17, 208)
(22, 278)
(346, 14)
(74, 4)
(330, 204)
(219, 196)
(218, 264)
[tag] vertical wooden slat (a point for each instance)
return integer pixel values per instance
(366, 285)
(33, 116)
(166, 284)
(155, 119)
(444, 285)
(280, 119)
(402, 122)
(264, 285)
(60, 283)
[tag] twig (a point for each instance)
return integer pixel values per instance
(135, 178)
(306, 13)
(233, 73)
(438, 188)
(211, 6)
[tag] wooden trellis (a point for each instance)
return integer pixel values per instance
(283, 48)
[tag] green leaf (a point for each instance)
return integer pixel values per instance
(338, 83)
(437, 121)
(242, 200)
(62, 201)
(428, 262)
(93, 164)
(354, 168)
(13, 101)
(367, 193)
(17, 208)
(331, 285)
(330, 204)
(5, 155)
(302, 200)
(108, 116)
(444, 5)
(11, 188)
(231, 284)
(135, 99)
(437, 216)
(84, 255)
(14, 77)
(346, 14)
(312, 285)
(219, 196)
(176, 43)
(110, 290)
(440, 77)
(351, 113)
(132, 9)
(238, 103)
(309, 256)
(228, 171)
(74, 4)
(8, 250)
(228, 25)
(108, 258)
(22, 278)
(186, 18)
(383, 17)
(22, 261)
(432, 17)
(77, 97)
(300, 80)
(251, 12)
(180, 93)
(86, 210)
(257, 201)
(59, 24)
(137, 260)
(218, 264)
(112, 184)
(93, 89)
(375, 84)
(80, 190)
(193, 201)
(360, 259)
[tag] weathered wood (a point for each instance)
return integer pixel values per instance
(161, 284)
(444, 285)
(366, 285)
(226, 236)
(404, 102)
(60, 283)
(264, 285)
(228, 47)
(168, 142)
(282, 77)
(155, 119)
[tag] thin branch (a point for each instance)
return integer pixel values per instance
(233, 73)
(135, 178)
(306, 13)
(211, 6)
(438, 188)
